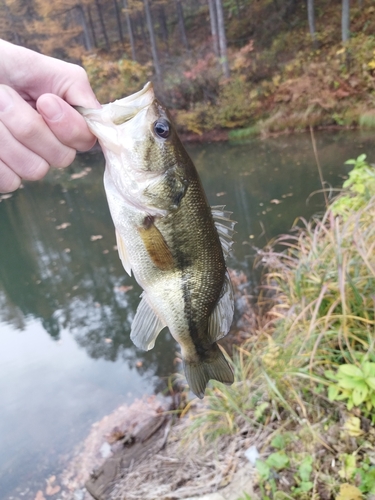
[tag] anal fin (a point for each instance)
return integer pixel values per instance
(146, 326)
(221, 317)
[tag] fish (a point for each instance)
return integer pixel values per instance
(167, 235)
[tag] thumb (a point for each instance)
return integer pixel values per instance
(65, 122)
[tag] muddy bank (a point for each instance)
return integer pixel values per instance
(144, 451)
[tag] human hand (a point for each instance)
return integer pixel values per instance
(38, 126)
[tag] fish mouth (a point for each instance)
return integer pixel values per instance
(122, 110)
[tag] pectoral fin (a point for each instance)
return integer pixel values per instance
(156, 245)
(123, 253)
(146, 326)
(221, 317)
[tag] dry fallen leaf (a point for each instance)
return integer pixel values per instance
(64, 225)
(95, 237)
(81, 174)
(51, 489)
(349, 492)
(123, 289)
(5, 196)
(40, 496)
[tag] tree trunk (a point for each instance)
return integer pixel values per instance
(222, 38)
(311, 19)
(181, 24)
(213, 21)
(118, 18)
(163, 27)
(86, 32)
(345, 20)
(92, 26)
(102, 25)
(141, 25)
(152, 41)
(130, 29)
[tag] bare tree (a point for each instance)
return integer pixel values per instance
(151, 31)
(130, 29)
(81, 18)
(223, 38)
(91, 23)
(311, 19)
(102, 25)
(345, 20)
(163, 26)
(181, 24)
(213, 21)
(118, 18)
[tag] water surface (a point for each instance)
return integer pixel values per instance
(66, 304)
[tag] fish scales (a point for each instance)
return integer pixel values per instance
(166, 234)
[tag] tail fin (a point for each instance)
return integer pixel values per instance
(215, 366)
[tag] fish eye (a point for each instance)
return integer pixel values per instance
(162, 129)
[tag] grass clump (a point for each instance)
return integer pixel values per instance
(305, 381)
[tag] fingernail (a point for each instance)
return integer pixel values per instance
(51, 109)
(6, 99)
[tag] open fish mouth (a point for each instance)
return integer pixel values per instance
(124, 109)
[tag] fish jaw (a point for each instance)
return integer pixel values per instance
(124, 130)
(108, 122)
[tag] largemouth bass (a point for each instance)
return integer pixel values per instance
(167, 234)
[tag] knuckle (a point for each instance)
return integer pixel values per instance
(65, 158)
(36, 171)
(29, 129)
(80, 72)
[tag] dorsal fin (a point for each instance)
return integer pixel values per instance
(224, 226)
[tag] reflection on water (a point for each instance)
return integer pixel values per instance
(66, 304)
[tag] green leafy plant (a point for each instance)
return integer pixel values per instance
(360, 186)
(303, 476)
(268, 468)
(354, 383)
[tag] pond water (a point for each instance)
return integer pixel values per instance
(66, 304)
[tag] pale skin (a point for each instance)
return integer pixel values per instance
(39, 128)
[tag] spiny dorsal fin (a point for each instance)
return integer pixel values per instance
(123, 253)
(146, 326)
(224, 226)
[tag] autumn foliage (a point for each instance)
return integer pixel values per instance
(280, 77)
